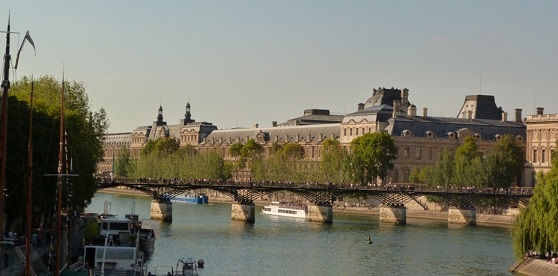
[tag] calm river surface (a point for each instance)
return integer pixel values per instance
(286, 246)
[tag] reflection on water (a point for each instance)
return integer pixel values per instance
(277, 245)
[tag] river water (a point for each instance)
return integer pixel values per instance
(287, 246)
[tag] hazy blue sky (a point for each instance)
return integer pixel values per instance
(246, 62)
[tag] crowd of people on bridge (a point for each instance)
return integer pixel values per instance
(403, 187)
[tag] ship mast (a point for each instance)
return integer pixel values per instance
(29, 185)
(59, 183)
(4, 126)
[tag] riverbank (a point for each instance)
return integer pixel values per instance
(535, 267)
(491, 220)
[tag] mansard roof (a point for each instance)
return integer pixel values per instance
(117, 139)
(440, 126)
(483, 107)
(382, 113)
(280, 134)
(383, 96)
(313, 117)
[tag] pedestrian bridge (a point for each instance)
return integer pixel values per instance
(393, 197)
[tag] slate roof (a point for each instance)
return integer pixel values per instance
(313, 120)
(383, 96)
(279, 133)
(485, 107)
(441, 126)
(383, 113)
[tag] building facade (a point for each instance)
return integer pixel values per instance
(420, 138)
(542, 134)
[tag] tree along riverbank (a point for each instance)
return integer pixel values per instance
(492, 220)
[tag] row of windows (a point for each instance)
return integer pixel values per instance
(356, 130)
(543, 156)
(418, 153)
(286, 211)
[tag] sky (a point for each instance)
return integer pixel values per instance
(241, 63)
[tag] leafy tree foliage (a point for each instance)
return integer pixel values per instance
(161, 146)
(469, 149)
(251, 150)
(234, 149)
(184, 163)
(285, 164)
(84, 129)
(499, 168)
(372, 156)
(123, 164)
(334, 163)
(292, 151)
(442, 173)
(535, 227)
(466, 160)
(512, 155)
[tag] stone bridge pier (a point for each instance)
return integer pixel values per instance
(161, 209)
(462, 215)
(321, 212)
(244, 210)
(393, 213)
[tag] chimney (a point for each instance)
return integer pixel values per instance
(274, 123)
(360, 106)
(518, 114)
(412, 110)
(256, 125)
(469, 114)
(540, 110)
(504, 116)
(396, 107)
(424, 112)
(405, 97)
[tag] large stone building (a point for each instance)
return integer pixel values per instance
(419, 138)
(542, 134)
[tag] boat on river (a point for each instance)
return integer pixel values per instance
(184, 267)
(119, 247)
(293, 210)
(191, 198)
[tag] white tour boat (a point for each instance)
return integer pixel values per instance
(285, 209)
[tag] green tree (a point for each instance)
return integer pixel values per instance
(469, 149)
(535, 227)
(251, 149)
(334, 162)
(275, 147)
(123, 163)
(442, 173)
(235, 149)
(84, 129)
(512, 156)
(161, 146)
(372, 156)
(292, 151)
